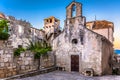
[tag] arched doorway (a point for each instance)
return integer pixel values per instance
(75, 59)
(75, 63)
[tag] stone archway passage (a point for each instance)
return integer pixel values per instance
(75, 63)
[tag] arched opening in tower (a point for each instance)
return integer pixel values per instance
(73, 10)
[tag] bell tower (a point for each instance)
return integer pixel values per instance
(74, 14)
(74, 10)
(51, 24)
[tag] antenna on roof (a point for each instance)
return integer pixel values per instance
(95, 17)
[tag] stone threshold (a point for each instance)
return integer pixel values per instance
(31, 73)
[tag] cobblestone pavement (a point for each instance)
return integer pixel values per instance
(58, 75)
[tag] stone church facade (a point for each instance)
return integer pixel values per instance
(85, 47)
(80, 49)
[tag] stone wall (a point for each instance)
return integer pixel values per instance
(48, 60)
(26, 62)
(108, 33)
(7, 65)
(103, 27)
(11, 65)
(22, 32)
(107, 50)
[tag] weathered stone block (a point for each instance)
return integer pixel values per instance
(26, 62)
(14, 69)
(2, 64)
(22, 55)
(32, 55)
(9, 74)
(11, 64)
(14, 73)
(27, 67)
(10, 70)
(9, 59)
(1, 71)
(11, 52)
(2, 75)
(5, 59)
(23, 67)
(29, 58)
(7, 64)
(30, 67)
(14, 65)
(6, 51)
(1, 60)
(1, 51)
(8, 55)
(3, 56)
(27, 54)
(20, 58)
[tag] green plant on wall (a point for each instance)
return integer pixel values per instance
(4, 30)
(18, 51)
(39, 48)
(4, 36)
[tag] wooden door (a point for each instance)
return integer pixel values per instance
(75, 63)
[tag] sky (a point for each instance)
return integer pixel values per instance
(117, 51)
(35, 11)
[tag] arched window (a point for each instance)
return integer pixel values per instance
(50, 20)
(74, 10)
(82, 36)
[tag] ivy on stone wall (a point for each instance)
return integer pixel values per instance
(4, 30)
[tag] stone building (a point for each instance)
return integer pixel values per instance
(103, 27)
(83, 47)
(51, 28)
(22, 32)
(51, 24)
(2, 16)
(80, 49)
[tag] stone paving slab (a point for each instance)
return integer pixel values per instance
(60, 75)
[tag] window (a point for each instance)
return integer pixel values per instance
(47, 20)
(70, 22)
(74, 41)
(74, 10)
(82, 37)
(55, 20)
(50, 20)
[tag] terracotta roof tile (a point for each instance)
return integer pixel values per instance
(100, 24)
(2, 16)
